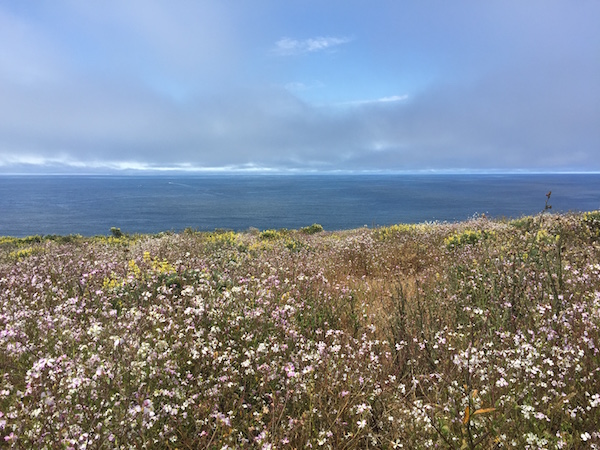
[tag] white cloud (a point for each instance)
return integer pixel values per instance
(287, 46)
(298, 86)
(393, 98)
(390, 99)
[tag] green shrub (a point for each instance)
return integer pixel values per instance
(116, 232)
(393, 231)
(273, 234)
(467, 237)
(222, 238)
(312, 229)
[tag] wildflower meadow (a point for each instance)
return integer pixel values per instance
(482, 334)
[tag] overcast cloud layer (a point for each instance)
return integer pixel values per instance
(113, 85)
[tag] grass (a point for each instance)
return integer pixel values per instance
(475, 335)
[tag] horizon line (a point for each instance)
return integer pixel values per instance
(166, 171)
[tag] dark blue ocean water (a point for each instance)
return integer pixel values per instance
(91, 205)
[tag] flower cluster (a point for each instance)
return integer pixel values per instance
(389, 338)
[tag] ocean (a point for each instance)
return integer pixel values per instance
(91, 205)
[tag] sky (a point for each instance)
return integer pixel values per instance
(139, 86)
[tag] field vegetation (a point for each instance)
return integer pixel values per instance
(482, 334)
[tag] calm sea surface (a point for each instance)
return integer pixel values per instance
(91, 205)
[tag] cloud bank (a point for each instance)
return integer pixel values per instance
(136, 86)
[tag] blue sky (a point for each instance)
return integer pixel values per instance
(145, 85)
